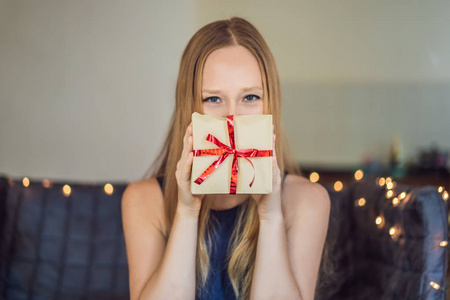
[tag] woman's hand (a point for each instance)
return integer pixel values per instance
(187, 203)
(269, 205)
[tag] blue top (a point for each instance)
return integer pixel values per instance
(218, 285)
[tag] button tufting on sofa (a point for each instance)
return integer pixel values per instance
(57, 245)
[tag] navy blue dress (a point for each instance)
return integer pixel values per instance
(218, 285)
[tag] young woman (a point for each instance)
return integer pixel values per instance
(184, 246)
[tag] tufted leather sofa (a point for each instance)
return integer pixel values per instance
(54, 246)
(58, 247)
(381, 248)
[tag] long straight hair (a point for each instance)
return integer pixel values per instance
(242, 248)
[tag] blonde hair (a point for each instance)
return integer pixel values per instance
(242, 248)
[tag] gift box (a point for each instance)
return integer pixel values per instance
(232, 155)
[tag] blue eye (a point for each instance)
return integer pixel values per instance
(252, 97)
(212, 99)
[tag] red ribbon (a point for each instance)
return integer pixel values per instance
(224, 151)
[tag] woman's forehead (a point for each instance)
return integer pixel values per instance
(231, 66)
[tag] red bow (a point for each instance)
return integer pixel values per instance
(224, 151)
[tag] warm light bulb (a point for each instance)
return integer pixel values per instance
(46, 183)
(378, 220)
(389, 185)
(108, 189)
(389, 194)
(440, 189)
(443, 244)
(25, 182)
(382, 181)
(359, 175)
(389, 179)
(403, 195)
(67, 190)
(338, 186)
(392, 231)
(445, 195)
(435, 285)
(395, 201)
(361, 202)
(314, 177)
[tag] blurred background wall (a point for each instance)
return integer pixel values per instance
(87, 87)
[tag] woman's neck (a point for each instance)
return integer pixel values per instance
(225, 201)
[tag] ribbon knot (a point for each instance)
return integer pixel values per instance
(223, 151)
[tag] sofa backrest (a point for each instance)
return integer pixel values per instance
(62, 247)
(55, 246)
(403, 256)
(391, 249)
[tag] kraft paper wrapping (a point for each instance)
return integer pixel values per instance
(250, 131)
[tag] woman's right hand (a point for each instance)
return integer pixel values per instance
(187, 203)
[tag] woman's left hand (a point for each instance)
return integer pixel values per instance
(269, 205)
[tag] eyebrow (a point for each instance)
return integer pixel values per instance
(242, 90)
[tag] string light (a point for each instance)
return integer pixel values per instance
(359, 175)
(108, 189)
(314, 177)
(443, 244)
(46, 183)
(362, 202)
(66, 190)
(435, 285)
(395, 201)
(379, 220)
(389, 194)
(338, 186)
(389, 185)
(392, 231)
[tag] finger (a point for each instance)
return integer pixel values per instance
(187, 142)
(275, 168)
(185, 152)
(187, 132)
(274, 152)
(187, 167)
(190, 143)
(274, 138)
(187, 155)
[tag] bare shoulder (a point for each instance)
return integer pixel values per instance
(144, 197)
(306, 211)
(302, 197)
(143, 227)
